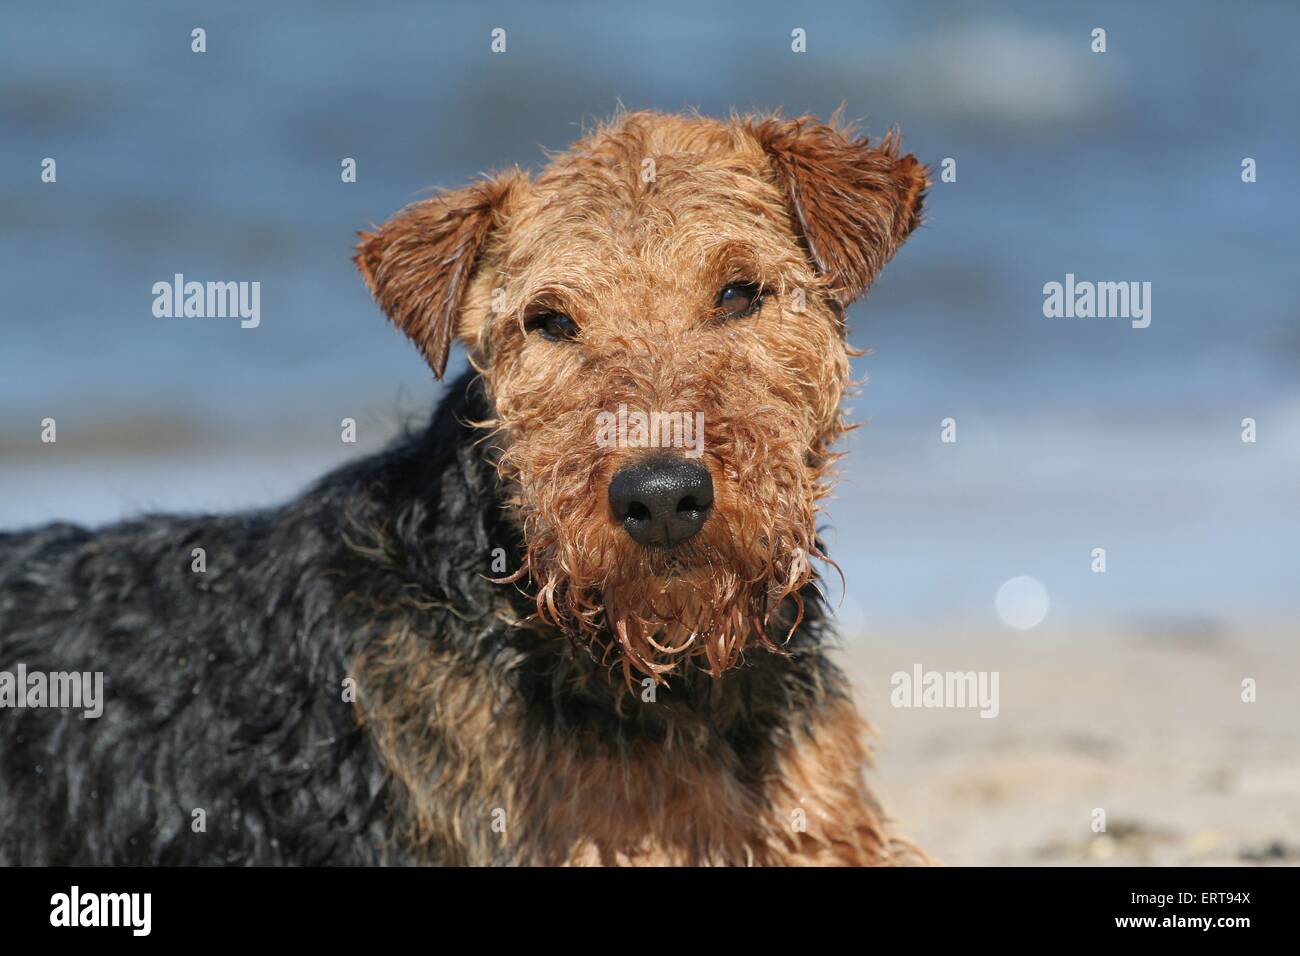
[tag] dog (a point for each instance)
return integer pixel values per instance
(550, 628)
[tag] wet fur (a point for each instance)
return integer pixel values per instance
(225, 692)
(594, 702)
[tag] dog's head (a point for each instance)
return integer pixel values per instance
(658, 316)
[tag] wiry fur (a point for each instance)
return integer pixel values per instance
(504, 721)
(796, 205)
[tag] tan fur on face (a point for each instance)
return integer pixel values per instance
(633, 233)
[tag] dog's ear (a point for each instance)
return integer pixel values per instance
(419, 263)
(852, 202)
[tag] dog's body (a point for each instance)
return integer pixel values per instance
(227, 695)
(350, 679)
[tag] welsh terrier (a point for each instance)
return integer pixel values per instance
(576, 619)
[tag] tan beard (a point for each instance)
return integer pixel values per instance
(650, 611)
(651, 624)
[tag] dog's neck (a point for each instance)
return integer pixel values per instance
(437, 496)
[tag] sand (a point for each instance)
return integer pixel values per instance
(1147, 724)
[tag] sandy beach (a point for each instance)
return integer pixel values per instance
(1149, 726)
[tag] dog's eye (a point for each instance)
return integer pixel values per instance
(555, 326)
(739, 299)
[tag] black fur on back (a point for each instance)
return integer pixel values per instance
(224, 690)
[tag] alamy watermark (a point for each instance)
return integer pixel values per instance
(66, 690)
(634, 429)
(1101, 300)
(209, 300)
(946, 689)
(133, 911)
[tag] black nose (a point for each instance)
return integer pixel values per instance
(661, 501)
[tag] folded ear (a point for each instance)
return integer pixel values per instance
(419, 263)
(853, 203)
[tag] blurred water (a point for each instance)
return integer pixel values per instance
(1072, 433)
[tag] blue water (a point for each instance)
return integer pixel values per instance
(1072, 433)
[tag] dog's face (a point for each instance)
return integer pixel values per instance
(658, 317)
